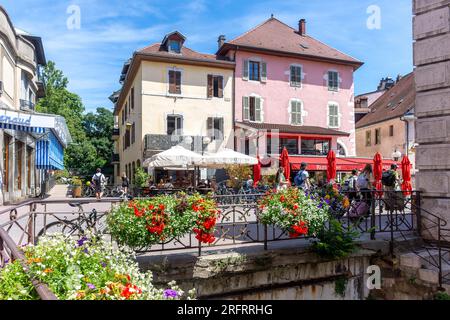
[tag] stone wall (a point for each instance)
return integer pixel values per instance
(279, 274)
(432, 60)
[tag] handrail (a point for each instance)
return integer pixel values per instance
(43, 291)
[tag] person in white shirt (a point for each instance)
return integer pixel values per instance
(99, 181)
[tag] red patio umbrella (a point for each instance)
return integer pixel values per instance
(406, 176)
(378, 172)
(284, 162)
(257, 172)
(331, 166)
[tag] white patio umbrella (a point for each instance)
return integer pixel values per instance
(226, 157)
(176, 157)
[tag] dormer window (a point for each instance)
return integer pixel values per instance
(174, 46)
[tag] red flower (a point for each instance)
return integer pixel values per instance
(151, 207)
(162, 207)
(296, 207)
(282, 199)
(210, 223)
(195, 208)
(130, 290)
(138, 213)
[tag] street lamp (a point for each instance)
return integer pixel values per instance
(396, 155)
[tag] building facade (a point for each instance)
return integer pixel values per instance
(291, 91)
(30, 143)
(389, 126)
(431, 34)
(171, 95)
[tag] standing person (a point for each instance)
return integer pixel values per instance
(99, 181)
(280, 180)
(350, 185)
(125, 183)
(391, 184)
(365, 184)
(301, 180)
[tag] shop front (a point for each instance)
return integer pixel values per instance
(31, 144)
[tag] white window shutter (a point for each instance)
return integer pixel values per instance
(245, 109)
(245, 71)
(258, 111)
(263, 72)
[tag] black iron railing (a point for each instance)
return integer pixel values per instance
(390, 214)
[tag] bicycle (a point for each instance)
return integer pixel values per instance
(77, 226)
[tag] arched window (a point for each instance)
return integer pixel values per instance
(138, 164)
(341, 149)
(134, 171)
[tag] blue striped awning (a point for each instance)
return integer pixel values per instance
(21, 128)
(49, 153)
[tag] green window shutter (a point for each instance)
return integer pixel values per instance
(245, 71)
(263, 71)
(258, 111)
(245, 108)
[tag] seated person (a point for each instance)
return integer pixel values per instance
(249, 183)
(214, 184)
(169, 184)
(161, 184)
(202, 184)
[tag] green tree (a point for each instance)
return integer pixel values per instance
(91, 133)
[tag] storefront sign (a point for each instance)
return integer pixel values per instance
(26, 119)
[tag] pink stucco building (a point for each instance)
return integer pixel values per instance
(292, 91)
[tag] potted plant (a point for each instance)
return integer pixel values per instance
(76, 187)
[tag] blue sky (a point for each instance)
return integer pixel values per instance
(111, 30)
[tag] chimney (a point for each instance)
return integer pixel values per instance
(221, 40)
(302, 27)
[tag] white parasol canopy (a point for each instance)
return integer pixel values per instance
(226, 157)
(174, 157)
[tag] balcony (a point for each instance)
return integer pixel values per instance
(115, 158)
(116, 134)
(27, 105)
(156, 143)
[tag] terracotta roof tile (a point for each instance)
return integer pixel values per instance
(284, 128)
(394, 103)
(276, 35)
(185, 53)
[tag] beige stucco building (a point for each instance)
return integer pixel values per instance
(171, 95)
(389, 125)
(30, 143)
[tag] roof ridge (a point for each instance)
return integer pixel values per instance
(254, 28)
(323, 43)
(149, 46)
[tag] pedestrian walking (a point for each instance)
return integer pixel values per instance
(350, 186)
(125, 183)
(391, 186)
(99, 181)
(365, 184)
(301, 180)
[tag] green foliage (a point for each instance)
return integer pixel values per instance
(141, 178)
(15, 283)
(91, 133)
(293, 211)
(76, 182)
(85, 269)
(442, 296)
(142, 223)
(340, 286)
(335, 242)
(238, 174)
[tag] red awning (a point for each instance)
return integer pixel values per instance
(342, 164)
